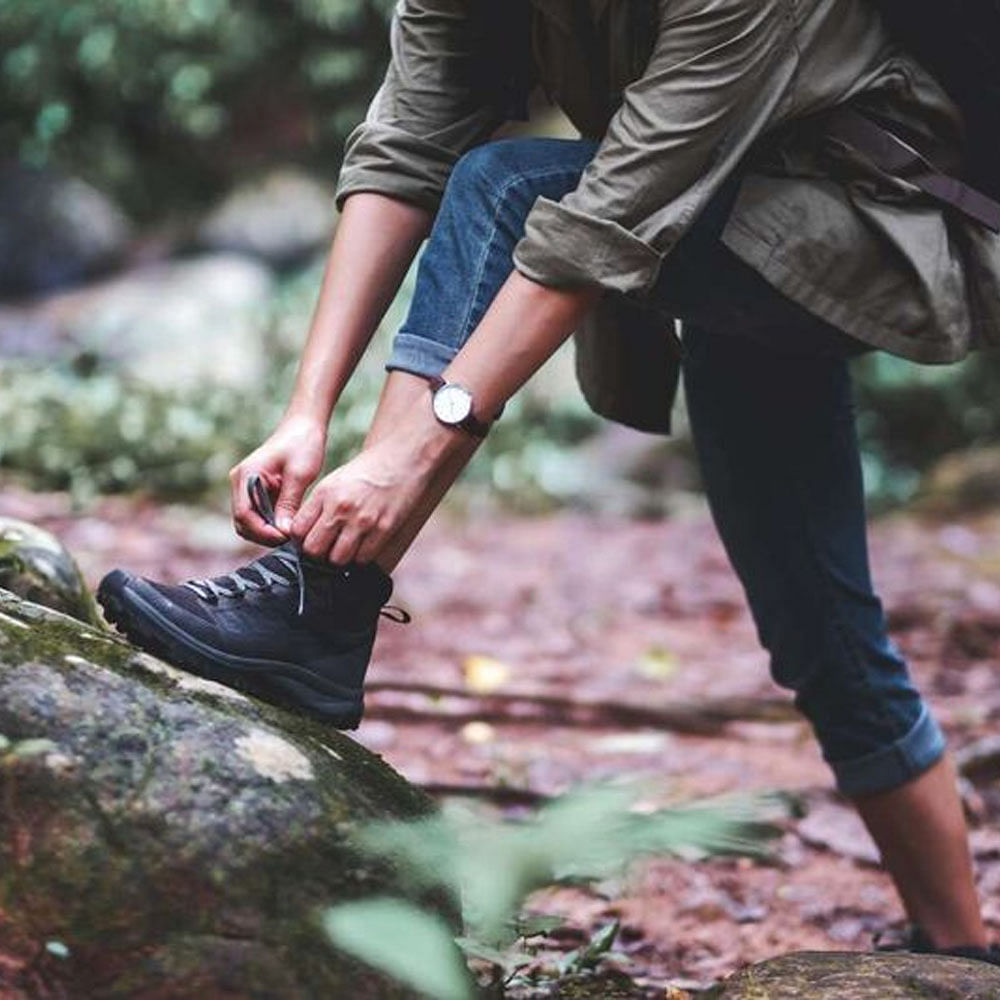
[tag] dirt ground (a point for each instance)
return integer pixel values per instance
(552, 651)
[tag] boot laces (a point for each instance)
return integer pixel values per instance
(255, 576)
(258, 576)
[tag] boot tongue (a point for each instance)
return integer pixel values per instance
(271, 562)
(280, 562)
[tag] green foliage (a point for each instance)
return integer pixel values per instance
(911, 415)
(373, 930)
(490, 868)
(157, 97)
(82, 426)
(592, 953)
(102, 433)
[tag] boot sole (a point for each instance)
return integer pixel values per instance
(271, 681)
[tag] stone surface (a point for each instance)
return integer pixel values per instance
(859, 976)
(54, 231)
(281, 218)
(637, 475)
(181, 323)
(36, 566)
(176, 839)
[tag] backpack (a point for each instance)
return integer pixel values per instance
(958, 41)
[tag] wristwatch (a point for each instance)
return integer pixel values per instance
(452, 405)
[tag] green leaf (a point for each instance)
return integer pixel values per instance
(394, 936)
(590, 955)
(657, 664)
(491, 867)
(53, 119)
(601, 942)
(32, 748)
(476, 949)
(423, 852)
(536, 924)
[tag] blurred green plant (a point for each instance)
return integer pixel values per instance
(80, 425)
(101, 433)
(158, 99)
(489, 868)
(12, 751)
(910, 415)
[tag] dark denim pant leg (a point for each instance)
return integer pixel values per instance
(770, 403)
(468, 256)
(769, 398)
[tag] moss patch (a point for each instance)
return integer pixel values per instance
(153, 846)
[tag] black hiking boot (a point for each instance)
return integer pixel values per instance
(290, 630)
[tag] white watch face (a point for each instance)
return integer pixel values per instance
(452, 404)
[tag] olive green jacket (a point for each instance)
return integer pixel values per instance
(681, 92)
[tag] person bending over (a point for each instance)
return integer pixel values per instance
(706, 187)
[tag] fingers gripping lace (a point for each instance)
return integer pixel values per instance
(261, 501)
(237, 583)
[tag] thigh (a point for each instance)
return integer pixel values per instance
(469, 254)
(704, 284)
(489, 198)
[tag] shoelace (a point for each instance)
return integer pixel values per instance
(237, 583)
(256, 576)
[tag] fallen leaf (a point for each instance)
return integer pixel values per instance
(629, 743)
(484, 675)
(478, 733)
(657, 664)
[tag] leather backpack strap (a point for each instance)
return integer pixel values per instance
(895, 156)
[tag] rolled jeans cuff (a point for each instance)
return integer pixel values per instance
(419, 355)
(895, 765)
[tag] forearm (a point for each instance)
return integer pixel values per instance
(371, 507)
(376, 240)
(524, 326)
(522, 329)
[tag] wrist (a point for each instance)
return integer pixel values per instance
(432, 442)
(306, 417)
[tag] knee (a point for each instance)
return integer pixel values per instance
(856, 692)
(488, 169)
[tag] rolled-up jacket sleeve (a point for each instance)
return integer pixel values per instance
(430, 108)
(717, 78)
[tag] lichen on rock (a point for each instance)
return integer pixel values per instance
(176, 841)
(861, 976)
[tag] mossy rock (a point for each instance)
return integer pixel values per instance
(174, 838)
(35, 565)
(859, 976)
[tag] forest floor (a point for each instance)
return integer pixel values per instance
(552, 651)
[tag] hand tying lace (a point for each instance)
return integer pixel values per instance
(261, 574)
(257, 575)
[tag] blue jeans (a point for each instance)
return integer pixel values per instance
(769, 400)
